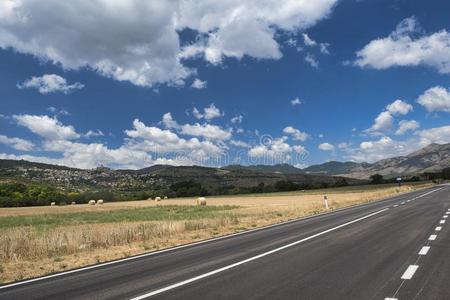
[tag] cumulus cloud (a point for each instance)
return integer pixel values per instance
(16, 143)
(199, 84)
(407, 125)
(296, 101)
(371, 151)
(209, 112)
(50, 83)
(277, 150)
(207, 131)
(384, 121)
(435, 99)
(296, 133)
(326, 147)
(46, 127)
(440, 135)
(403, 48)
(139, 42)
(399, 107)
(385, 147)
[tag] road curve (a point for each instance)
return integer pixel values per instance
(391, 249)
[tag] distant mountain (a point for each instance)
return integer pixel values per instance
(336, 168)
(431, 158)
(214, 180)
(279, 168)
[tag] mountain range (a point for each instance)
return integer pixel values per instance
(431, 158)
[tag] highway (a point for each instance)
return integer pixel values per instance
(397, 248)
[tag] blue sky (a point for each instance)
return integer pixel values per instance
(223, 82)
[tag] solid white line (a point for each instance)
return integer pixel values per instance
(409, 273)
(439, 228)
(442, 222)
(187, 281)
(424, 250)
(432, 237)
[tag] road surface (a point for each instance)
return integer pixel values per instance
(398, 248)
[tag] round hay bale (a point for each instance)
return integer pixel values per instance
(157, 199)
(201, 201)
(73, 203)
(91, 202)
(53, 204)
(100, 201)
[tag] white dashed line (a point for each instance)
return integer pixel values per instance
(409, 273)
(432, 237)
(442, 222)
(408, 200)
(424, 250)
(445, 217)
(439, 228)
(395, 206)
(390, 299)
(402, 203)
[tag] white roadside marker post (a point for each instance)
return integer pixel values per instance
(325, 200)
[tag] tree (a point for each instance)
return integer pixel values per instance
(377, 179)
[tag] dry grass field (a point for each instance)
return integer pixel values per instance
(41, 240)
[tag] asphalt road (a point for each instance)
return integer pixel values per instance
(365, 252)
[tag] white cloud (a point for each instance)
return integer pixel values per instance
(142, 146)
(371, 151)
(343, 145)
(237, 119)
(299, 149)
(296, 133)
(321, 136)
(440, 135)
(402, 48)
(311, 60)
(207, 131)
(50, 83)
(326, 147)
(435, 99)
(399, 107)
(93, 133)
(199, 84)
(46, 127)
(296, 101)
(209, 112)
(16, 143)
(277, 150)
(384, 121)
(407, 125)
(308, 41)
(138, 41)
(240, 144)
